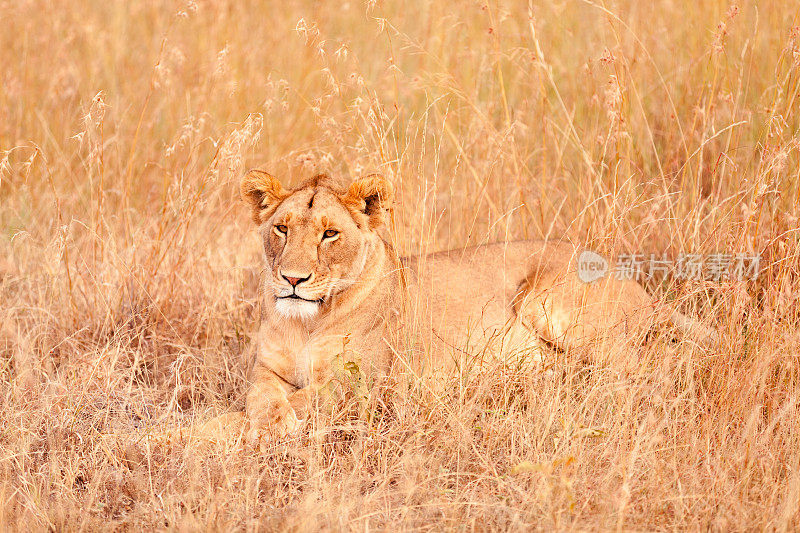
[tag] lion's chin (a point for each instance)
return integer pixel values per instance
(295, 308)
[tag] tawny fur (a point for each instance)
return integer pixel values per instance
(358, 298)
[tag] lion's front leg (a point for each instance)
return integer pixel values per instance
(268, 409)
(301, 401)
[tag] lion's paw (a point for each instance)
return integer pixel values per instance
(276, 427)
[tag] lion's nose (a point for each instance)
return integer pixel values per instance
(294, 281)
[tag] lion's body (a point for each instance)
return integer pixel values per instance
(334, 292)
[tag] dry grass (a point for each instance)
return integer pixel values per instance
(126, 259)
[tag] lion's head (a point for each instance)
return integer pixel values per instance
(317, 237)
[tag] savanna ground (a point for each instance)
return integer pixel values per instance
(128, 264)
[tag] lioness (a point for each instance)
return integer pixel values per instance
(333, 290)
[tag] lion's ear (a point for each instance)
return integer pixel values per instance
(372, 196)
(263, 192)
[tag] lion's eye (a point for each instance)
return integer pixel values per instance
(280, 228)
(330, 234)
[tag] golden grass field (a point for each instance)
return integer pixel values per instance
(128, 264)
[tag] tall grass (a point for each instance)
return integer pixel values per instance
(127, 263)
